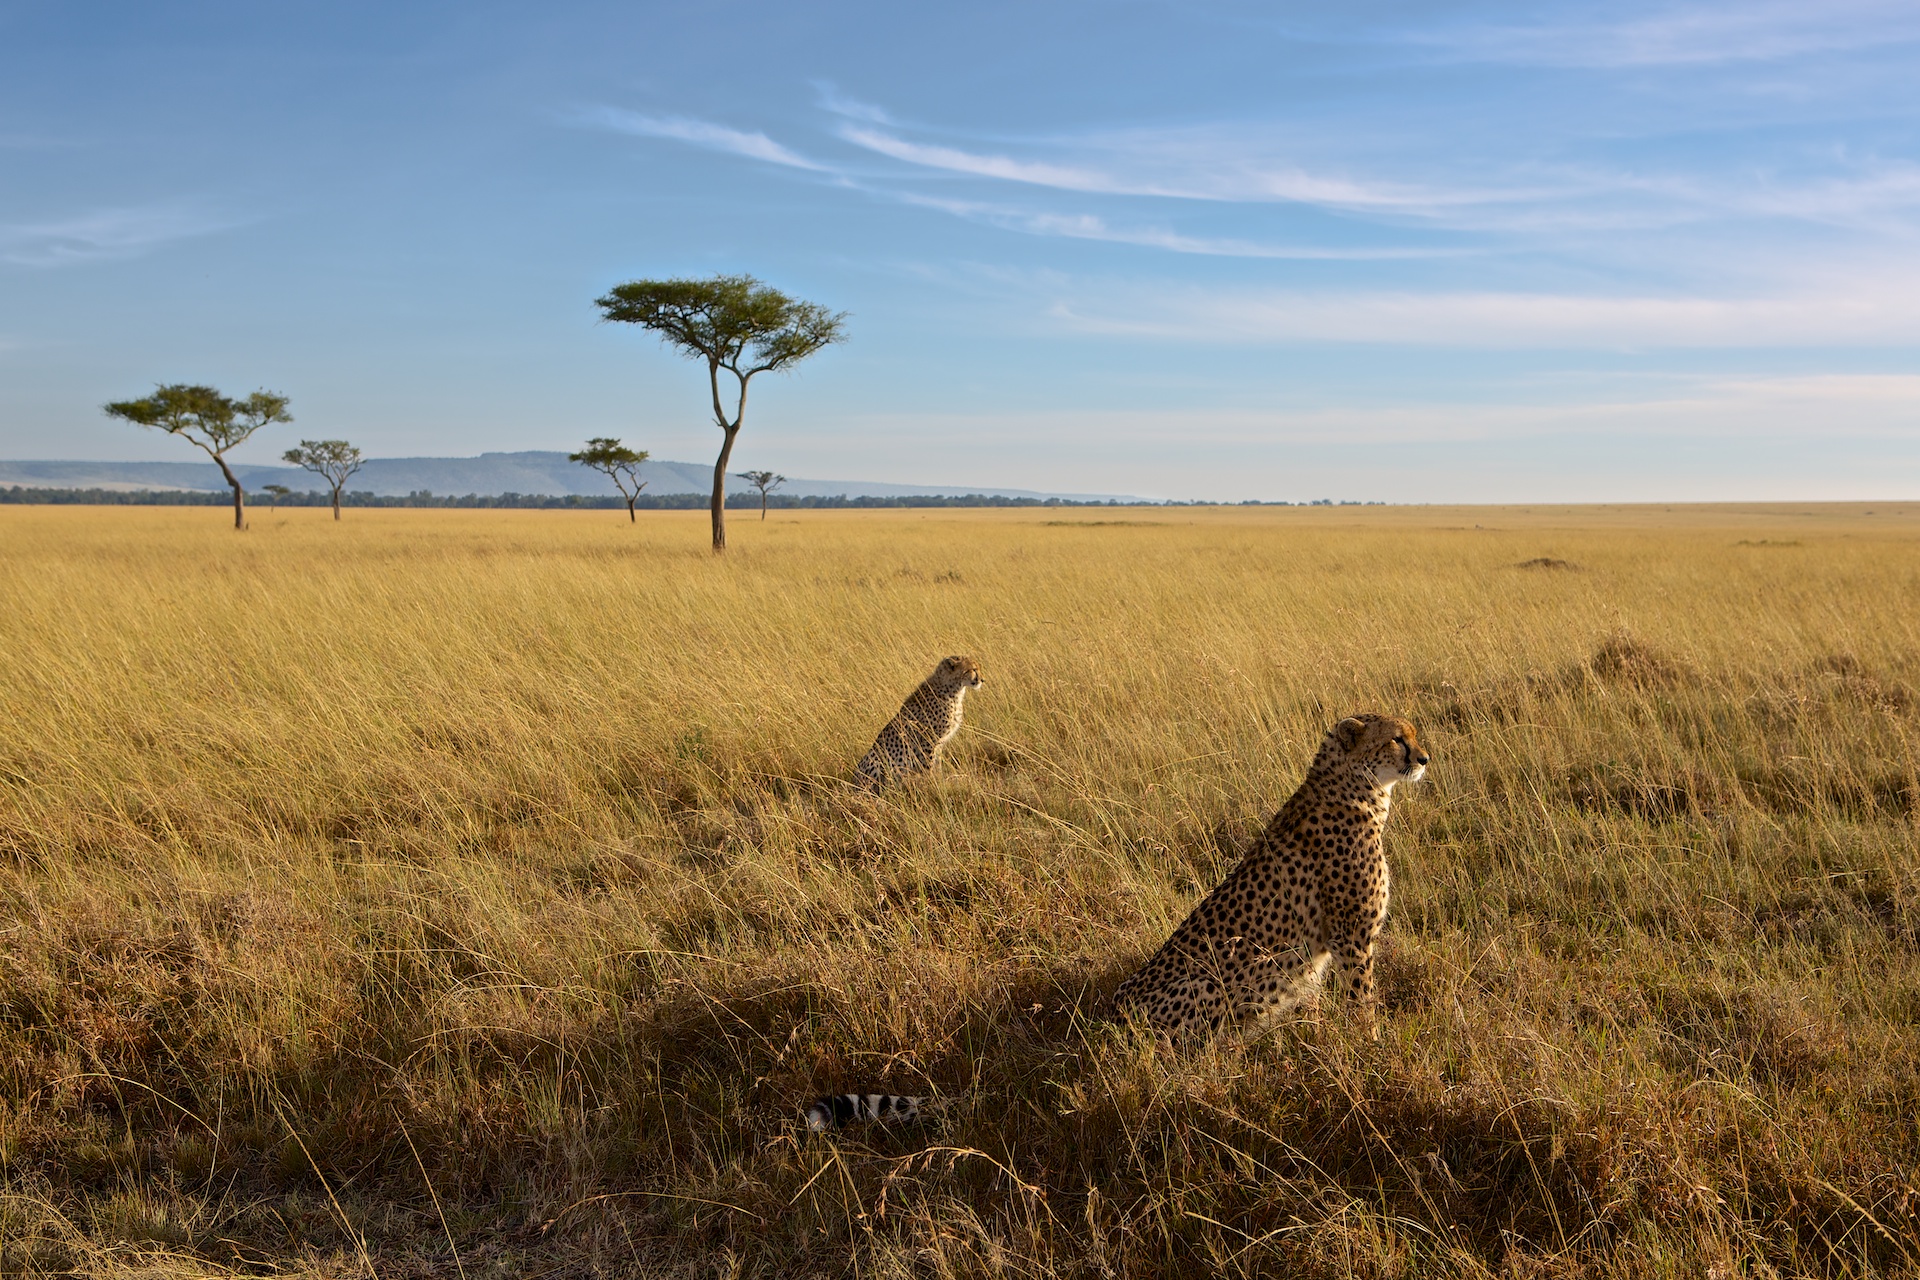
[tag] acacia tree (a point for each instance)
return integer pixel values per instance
(208, 419)
(733, 323)
(334, 461)
(278, 491)
(620, 464)
(766, 482)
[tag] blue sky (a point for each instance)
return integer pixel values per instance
(1414, 252)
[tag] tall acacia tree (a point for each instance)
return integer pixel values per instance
(733, 323)
(620, 464)
(334, 461)
(213, 421)
(766, 482)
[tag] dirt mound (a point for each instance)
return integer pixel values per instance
(1621, 659)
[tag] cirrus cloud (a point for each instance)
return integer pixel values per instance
(1880, 311)
(702, 133)
(104, 234)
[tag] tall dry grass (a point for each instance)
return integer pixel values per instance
(476, 894)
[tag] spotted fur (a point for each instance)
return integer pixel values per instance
(1312, 890)
(912, 740)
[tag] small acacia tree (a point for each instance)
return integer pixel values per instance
(620, 464)
(766, 482)
(210, 420)
(733, 323)
(277, 492)
(334, 461)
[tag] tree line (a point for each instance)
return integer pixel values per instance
(24, 495)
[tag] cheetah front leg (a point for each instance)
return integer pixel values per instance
(1356, 971)
(1281, 985)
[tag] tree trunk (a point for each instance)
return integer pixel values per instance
(729, 430)
(336, 503)
(239, 498)
(763, 505)
(720, 490)
(631, 518)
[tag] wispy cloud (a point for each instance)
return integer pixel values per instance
(1873, 193)
(1086, 226)
(1500, 204)
(1870, 407)
(1892, 389)
(701, 133)
(1201, 165)
(1006, 168)
(1079, 226)
(1195, 164)
(1688, 37)
(1872, 312)
(104, 234)
(1170, 164)
(839, 104)
(1245, 163)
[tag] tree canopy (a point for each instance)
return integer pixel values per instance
(734, 323)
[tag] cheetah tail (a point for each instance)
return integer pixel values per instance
(846, 1108)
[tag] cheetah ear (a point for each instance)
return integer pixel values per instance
(1347, 732)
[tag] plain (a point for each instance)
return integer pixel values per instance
(480, 893)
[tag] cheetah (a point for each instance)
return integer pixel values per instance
(930, 717)
(1312, 889)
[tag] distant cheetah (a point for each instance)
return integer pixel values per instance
(1312, 888)
(912, 740)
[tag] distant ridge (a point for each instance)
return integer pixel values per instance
(539, 471)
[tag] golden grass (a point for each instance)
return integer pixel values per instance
(456, 893)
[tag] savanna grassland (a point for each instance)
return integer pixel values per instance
(478, 894)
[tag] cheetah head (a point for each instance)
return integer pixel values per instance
(1384, 747)
(960, 673)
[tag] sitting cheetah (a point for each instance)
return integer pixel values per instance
(912, 740)
(1312, 888)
